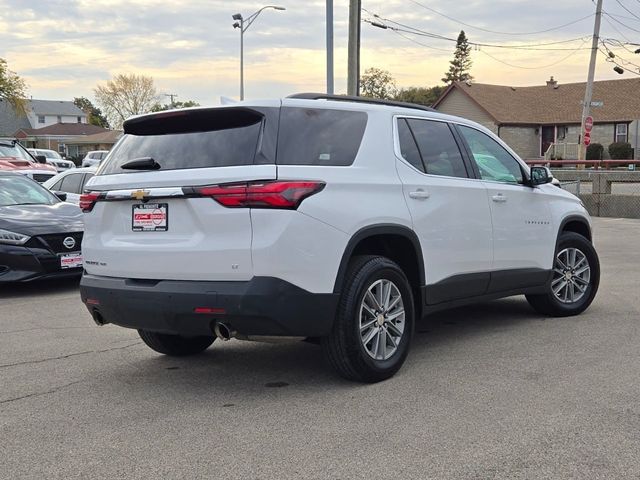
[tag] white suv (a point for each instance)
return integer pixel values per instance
(341, 219)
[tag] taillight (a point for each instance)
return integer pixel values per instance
(88, 200)
(276, 194)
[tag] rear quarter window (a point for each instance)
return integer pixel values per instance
(310, 136)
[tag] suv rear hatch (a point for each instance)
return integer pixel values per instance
(149, 218)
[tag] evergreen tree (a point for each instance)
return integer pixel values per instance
(461, 63)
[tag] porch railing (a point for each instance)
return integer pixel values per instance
(562, 151)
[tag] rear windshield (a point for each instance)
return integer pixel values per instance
(310, 136)
(214, 138)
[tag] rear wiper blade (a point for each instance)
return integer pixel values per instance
(142, 163)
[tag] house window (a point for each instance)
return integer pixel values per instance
(59, 119)
(79, 119)
(621, 132)
(561, 133)
(40, 118)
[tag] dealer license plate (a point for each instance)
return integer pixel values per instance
(150, 217)
(70, 260)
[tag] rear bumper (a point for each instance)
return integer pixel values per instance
(261, 306)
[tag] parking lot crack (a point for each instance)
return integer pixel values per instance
(37, 394)
(69, 355)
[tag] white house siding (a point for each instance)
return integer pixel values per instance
(53, 119)
(459, 104)
(523, 139)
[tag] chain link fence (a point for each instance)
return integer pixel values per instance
(613, 193)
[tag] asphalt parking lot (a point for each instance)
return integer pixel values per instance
(489, 391)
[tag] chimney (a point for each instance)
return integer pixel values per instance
(552, 83)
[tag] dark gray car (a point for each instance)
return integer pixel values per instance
(40, 235)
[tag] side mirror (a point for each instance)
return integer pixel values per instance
(540, 176)
(61, 195)
(41, 159)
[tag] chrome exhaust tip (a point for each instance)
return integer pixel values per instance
(223, 331)
(98, 318)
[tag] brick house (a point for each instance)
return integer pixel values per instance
(79, 146)
(56, 136)
(530, 119)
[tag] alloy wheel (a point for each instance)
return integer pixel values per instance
(382, 319)
(571, 275)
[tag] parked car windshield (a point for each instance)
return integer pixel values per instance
(50, 154)
(19, 190)
(7, 149)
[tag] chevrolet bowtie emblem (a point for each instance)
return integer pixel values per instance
(139, 194)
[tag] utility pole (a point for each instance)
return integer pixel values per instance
(592, 69)
(330, 47)
(353, 70)
(171, 96)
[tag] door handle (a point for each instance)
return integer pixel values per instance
(419, 194)
(499, 198)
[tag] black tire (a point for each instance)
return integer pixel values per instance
(175, 345)
(343, 347)
(548, 303)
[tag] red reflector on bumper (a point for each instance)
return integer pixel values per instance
(210, 310)
(92, 301)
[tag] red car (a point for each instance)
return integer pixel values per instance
(14, 157)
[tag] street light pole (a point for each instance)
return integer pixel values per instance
(330, 47)
(243, 24)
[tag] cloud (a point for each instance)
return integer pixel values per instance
(64, 48)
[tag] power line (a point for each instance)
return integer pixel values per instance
(629, 11)
(497, 32)
(615, 28)
(406, 37)
(416, 31)
(536, 67)
(621, 23)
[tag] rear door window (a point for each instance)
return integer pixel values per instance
(317, 136)
(438, 148)
(71, 183)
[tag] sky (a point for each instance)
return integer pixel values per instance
(65, 48)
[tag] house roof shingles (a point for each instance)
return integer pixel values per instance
(562, 105)
(61, 129)
(108, 137)
(55, 107)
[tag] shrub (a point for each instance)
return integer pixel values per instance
(620, 151)
(595, 151)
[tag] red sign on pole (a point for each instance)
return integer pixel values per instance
(588, 124)
(587, 138)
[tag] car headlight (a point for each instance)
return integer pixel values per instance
(12, 238)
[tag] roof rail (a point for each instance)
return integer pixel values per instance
(351, 98)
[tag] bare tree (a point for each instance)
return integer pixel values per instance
(126, 95)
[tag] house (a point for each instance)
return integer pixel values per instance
(79, 146)
(56, 136)
(39, 114)
(42, 113)
(531, 119)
